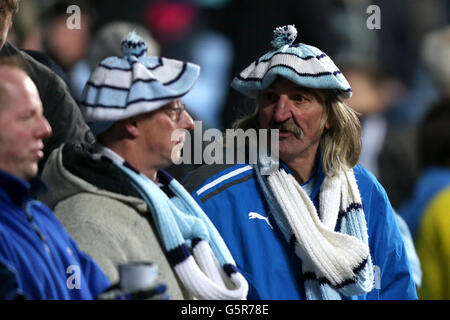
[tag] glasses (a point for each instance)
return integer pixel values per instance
(175, 111)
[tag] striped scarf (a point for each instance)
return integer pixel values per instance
(195, 249)
(334, 263)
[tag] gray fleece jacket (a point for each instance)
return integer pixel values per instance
(104, 213)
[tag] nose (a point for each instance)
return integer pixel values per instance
(282, 111)
(186, 121)
(44, 129)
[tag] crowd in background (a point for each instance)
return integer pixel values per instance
(398, 73)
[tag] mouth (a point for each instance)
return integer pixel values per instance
(284, 134)
(38, 152)
(286, 130)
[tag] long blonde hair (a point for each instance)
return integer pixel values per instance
(341, 144)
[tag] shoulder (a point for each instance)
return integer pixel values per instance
(364, 176)
(93, 218)
(210, 178)
(386, 241)
(86, 207)
(34, 68)
(368, 184)
(378, 210)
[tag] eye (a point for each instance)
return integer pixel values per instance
(268, 96)
(298, 98)
(27, 115)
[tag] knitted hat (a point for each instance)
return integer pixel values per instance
(302, 64)
(120, 88)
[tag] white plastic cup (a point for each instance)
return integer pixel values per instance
(137, 275)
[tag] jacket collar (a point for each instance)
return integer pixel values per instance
(318, 175)
(79, 160)
(18, 190)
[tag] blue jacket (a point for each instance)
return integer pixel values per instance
(432, 181)
(33, 244)
(228, 193)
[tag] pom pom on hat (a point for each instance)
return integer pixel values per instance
(282, 36)
(133, 45)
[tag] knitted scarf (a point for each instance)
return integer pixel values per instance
(195, 249)
(334, 263)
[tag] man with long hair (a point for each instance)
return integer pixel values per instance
(319, 226)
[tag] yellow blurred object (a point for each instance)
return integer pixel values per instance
(433, 248)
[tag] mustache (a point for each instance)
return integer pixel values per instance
(288, 126)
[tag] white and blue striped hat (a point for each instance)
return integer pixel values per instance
(122, 87)
(302, 64)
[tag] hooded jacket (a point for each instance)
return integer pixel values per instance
(104, 213)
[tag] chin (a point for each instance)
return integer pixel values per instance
(175, 155)
(175, 160)
(30, 175)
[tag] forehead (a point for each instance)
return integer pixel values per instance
(16, 85)
(283, 84)
(174, 104)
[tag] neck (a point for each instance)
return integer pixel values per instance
(302, 167)
(135, 158)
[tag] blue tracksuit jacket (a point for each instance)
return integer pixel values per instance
(45, 260)
(229, 193)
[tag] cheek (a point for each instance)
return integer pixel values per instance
(158, 138)
(309, 120)
(13, 145)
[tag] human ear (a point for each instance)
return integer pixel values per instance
(131, 126)
(330, 122)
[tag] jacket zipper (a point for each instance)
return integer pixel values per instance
(41, 236)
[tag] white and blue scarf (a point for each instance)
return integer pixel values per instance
(194, 247)
(335, 263)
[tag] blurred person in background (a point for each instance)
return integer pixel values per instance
(185, 30)
(435, 50)
(116, 199)
(428, 210)
(59, 107)
(64, 41)
(373, 93)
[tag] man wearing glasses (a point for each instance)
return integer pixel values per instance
(116, 200)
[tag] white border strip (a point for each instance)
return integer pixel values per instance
(223, 178)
